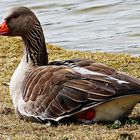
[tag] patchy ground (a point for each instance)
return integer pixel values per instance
(12, 128)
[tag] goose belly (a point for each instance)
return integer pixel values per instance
(114, 109)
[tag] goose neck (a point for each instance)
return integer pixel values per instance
(35, 47)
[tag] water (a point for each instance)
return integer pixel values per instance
(91, 25)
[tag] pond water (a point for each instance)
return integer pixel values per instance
(91, 25)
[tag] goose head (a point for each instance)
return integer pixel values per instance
(21, 21)
(18, 22)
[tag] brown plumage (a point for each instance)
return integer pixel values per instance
(77, 88)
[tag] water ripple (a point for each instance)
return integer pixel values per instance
(99, 25)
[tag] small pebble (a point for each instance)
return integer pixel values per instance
(116, 124)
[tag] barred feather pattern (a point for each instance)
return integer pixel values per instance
(65, 88)
(35, 46)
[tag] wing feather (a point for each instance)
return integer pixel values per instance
(59, 89)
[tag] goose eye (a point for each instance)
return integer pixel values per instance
(14, 16)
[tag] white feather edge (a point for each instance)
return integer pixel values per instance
(86, 71)
(22, 104)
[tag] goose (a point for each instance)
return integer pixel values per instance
(80, 89)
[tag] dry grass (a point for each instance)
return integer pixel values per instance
(13, 128)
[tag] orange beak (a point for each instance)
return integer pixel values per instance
(4, 28)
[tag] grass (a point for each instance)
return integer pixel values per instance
(12, 128)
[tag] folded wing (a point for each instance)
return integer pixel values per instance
(55, 91)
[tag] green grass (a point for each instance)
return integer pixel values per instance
(13, 128)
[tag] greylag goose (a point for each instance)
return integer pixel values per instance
(78, 88)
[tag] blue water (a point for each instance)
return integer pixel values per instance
(91, 25)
